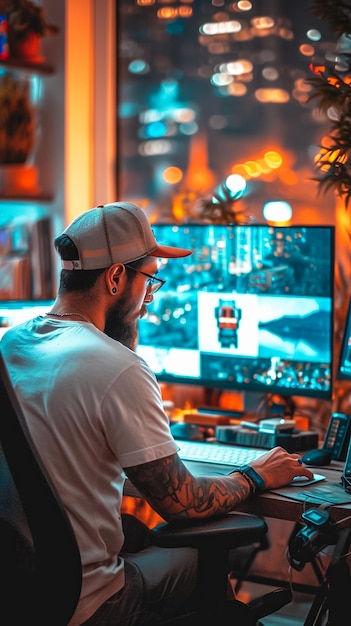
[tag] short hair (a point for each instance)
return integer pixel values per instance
(81, 280)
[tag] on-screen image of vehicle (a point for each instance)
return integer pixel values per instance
(228, 317)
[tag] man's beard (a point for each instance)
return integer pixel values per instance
(118, 328)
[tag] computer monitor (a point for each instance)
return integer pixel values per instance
(14, 312)
(251, 309)
(344, 366)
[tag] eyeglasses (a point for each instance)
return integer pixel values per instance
(153, 283)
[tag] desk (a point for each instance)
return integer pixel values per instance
(270, 504)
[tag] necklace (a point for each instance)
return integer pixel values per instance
(69, 315)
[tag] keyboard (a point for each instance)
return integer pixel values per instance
(217, 453)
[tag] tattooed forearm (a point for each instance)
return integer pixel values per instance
(174, 492)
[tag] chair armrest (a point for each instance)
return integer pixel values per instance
(221, 532)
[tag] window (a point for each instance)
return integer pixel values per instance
(212, 89)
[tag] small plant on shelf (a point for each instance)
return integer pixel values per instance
(17, 124)
(26, 17)
(27, 24)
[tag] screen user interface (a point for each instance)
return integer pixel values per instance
(251, 309)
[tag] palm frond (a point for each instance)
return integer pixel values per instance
(331, 90)
(222, 208)
(336, 14)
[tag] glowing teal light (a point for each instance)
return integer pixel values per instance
(175, 28)
(36, 90)
(128, 109)
(188, 129)
(313, 34)
(138, 66)
(156, 129)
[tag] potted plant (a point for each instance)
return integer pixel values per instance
(17, 136)
(16, 120)
(27, 25)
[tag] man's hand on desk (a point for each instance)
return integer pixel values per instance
(278, 467)
(174, 492)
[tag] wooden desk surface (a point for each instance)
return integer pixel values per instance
(270, 504)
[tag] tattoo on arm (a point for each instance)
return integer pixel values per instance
(174, 492)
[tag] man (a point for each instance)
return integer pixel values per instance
(95, 412)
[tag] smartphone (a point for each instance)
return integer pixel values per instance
(338, 436)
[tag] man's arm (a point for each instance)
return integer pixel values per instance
(173, 492)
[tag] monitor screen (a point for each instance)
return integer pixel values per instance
(344, 367)
(250, 309)
(14, 312)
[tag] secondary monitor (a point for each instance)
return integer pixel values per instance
(344, 366)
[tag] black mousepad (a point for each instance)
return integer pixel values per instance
(324, 492)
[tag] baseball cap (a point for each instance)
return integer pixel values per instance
(114, 233)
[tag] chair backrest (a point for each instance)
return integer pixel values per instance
(40, 566)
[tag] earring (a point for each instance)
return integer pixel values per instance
(114, 290)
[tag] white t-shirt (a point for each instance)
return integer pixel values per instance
(93, 407)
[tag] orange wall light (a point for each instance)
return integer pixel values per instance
(172, 175)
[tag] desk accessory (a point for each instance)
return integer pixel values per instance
(338, 435)
(194, 417)
(318, 457)
(297, 441)
(321, 493)
(317, 533)
(271, 425)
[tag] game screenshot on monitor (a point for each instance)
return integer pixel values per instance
(250, 309)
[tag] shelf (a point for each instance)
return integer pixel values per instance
(28, 198)
(19, 64)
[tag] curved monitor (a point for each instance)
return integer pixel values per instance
(251, 309)
(344, 366)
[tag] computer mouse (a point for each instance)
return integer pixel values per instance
(319, 456)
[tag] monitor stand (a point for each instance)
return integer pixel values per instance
(234, 404)
(244, 404)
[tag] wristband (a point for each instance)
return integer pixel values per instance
(253, 478)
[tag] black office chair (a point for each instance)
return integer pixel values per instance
(214, 539)
(40, 567)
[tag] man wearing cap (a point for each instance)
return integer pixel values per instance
(95, 411)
